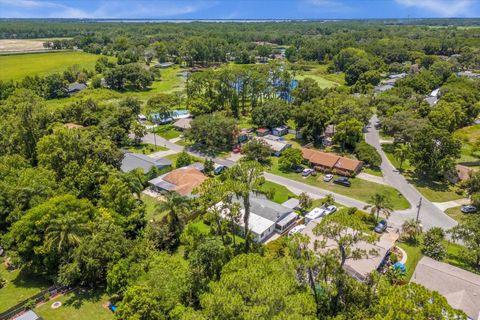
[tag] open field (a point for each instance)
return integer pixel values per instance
(281, 194)
(170, 81)
(16, 67)
(469, 136)
(21, 45)
(324, 79)
(360, 189)
(77, 306)
(20, 286)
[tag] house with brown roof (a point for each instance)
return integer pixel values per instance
(182, 180)
(183, 124)
(329, 162)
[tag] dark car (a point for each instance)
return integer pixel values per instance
(219, 170)
(469, 209)
(342, 181)
(381, 226)
(298, 169)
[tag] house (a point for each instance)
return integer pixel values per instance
(277, 146)
(292, 203)
(262, 132)
(182, 180)
(382, 88)
(76, 87)
(431, 100)
(463, 172)
(468, 74)
(243, 135)
(272, 137)
(164, 65)
(28, 315)
(460, 287)
(357, 268)
(328, 134)
(329, 162)
(174, 115)
(280, 131)
(142, 118)
(397, 76)
(183, 124)
(266, 217)
(71, 125)
(133, 161)
(435, 93)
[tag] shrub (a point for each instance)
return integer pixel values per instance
(368, 154)
(433, 244)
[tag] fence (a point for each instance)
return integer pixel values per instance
(39, 297)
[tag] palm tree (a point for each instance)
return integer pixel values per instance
(65, 232)
(379, 204)
(175, 205)
(412, 228)
(402, 151)
(243, 179)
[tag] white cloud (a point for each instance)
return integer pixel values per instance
(443, 8)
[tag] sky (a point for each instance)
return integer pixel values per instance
(238, 9)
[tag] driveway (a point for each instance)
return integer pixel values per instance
(430, 215)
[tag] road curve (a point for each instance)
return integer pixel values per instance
(430, 215)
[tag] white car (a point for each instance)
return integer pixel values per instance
(296, 229)
(330, 210)
(307, 172)
(328, 177)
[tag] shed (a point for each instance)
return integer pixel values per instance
(76, 87)
(183, 124)
(280, 131)
(262, 132)
(28, 315)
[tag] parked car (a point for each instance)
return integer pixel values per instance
(469, 209)
(236, 150)
(219, 170)
(296, 229)
(298, 169)
(342, 181)
(328, 177)
(307, 172)
(329, 210)
(381, 226)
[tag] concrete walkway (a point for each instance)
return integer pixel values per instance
(371, 178)
(451, 204)
(162, 154)
(430, 214)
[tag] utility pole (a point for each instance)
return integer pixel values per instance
(419, 206)
(155, 139)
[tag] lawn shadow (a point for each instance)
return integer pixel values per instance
(80, 296)
(433, 185)
(27, 279)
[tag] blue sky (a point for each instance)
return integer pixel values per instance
(238, 9)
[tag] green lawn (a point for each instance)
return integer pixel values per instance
(16, 67)
(77, 306)
(150, 208)
(469, 136)
(167, 131)
(324, 79)
(361, 189)
(456, 214)
(454, 257)
(170, 81)
(146, 148)
(20, 286)
(374, 171)
(435, 191)
(281, 194)
(296, 143)
(414, 254)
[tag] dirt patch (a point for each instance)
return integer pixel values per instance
(22, 45)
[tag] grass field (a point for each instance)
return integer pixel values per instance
(281, 194)
(414, 254)
(77, 306)
(170, 82)
(146, 148)
(20, 286)
(16, 67)
(360, 189)
(469, 136)
(324, 79)
(167, 131)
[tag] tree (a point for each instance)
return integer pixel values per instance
(412, 228)
(469, 232)
(184, 159)
(433, 152)
(139, 302)
(243, 179)
(328, 200)
(65, 232)
(257, 150)
(271, 114)
(379, 203)
(311, 119)
(139, 132)
(276, 296)
(162, 105)
(208, 167)
(214, 131)
(348, 133)
(472, 184)
(402, 152)
(345, 232)
(432, 245)
(305, 202)
(290, 159)
(307, 90)
(368, 154)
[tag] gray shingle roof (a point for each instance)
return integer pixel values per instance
(133, 161)
(266, 208)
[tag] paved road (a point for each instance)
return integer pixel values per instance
(430, 215)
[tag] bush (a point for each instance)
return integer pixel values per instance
(433, 244)
(184, 159)
(368, 154)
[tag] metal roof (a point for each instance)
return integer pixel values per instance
(133, 161)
